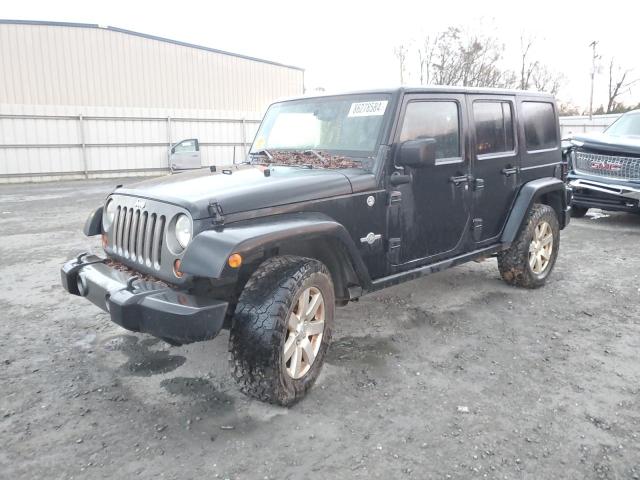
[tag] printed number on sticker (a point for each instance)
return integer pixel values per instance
(366, 109)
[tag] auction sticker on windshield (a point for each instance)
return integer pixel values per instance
(367, 109)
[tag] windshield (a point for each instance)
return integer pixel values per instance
(626, 126)
(348, 125)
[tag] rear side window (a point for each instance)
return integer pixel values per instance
(539, 125)
(439, 120)
(494, 127)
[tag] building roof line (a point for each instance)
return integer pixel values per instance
(144, 35)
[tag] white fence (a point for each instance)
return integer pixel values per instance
(35, 147)
(584, 124)
(46, 145)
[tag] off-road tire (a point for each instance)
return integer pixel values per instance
(513, 263)
(578, 212)
(259, 328)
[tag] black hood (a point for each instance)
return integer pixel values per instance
(602, 142)
(241, 188)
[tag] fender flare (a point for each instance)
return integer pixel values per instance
(93, 224)
(527, 195)
(207, 254)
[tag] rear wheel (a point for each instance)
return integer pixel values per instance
(578, 212)
(282, 328)
(531, 258)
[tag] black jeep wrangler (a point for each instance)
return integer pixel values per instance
(604, 168)
(341, 195)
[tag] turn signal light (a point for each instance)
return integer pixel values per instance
(235, 260)
(176, 268)
(104, 241)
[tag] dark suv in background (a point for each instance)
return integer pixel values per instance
(604, 168)
(341, 195)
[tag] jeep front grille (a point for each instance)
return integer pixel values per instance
(611, 166)
(138, 236)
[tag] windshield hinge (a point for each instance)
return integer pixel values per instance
(215, 210)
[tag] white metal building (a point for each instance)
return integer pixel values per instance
(80, 100)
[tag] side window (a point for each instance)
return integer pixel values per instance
(190, 145)
(439, 120)
(539, 125)
(494, 127)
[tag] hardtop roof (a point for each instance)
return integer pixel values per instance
(430, 89)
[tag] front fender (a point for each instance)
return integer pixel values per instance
(207, 254)
(93, 224)
(527, 195)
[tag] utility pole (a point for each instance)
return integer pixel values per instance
(594, 57)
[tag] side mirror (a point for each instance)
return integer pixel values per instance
(417, 153)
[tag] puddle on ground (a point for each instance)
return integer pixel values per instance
(198, 389)
(366, 350)
(142, 361)
(209, 408)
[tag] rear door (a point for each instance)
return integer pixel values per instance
(496, 163)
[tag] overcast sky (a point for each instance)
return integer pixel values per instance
(349, 45)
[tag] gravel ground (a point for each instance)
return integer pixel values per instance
(455, 375)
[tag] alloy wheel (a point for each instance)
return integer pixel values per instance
(304, 332)
(541, 248)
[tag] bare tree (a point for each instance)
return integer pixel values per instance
(458, 58)
(618, 85)
(425, 58)
(526, 67)
(533, 73)
(567, 109)
(546, 81)
(401, 54)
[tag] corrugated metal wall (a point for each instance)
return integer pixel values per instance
(584, 124)
(135, 93)
(111, 142)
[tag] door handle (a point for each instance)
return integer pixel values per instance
(508, 171)
(459, 180)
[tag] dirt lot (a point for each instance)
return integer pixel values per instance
(455, 375)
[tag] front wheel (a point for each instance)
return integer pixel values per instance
(531, 258)
(282, 328)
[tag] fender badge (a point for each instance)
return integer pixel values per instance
(371, 238)
(139, 204)
(371, 201)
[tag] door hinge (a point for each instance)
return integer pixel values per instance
(476, 227)
(393, 254)
(394, 197)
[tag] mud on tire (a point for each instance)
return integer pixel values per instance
(259, 328)
(513, 263)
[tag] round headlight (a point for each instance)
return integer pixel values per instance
(183, 230)
(108, 215)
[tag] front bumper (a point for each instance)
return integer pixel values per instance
(589, 193)
(144, 306)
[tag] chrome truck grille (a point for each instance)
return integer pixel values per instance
(138, 236)
(611, 166)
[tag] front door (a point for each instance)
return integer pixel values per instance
(185, 155)
(435, 205)
(496, 163)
